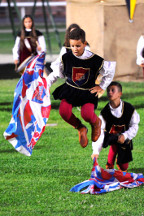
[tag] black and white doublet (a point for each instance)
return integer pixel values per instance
(80, 77)
(119, 125)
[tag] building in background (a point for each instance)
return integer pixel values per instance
(109, 31)
(58, 8)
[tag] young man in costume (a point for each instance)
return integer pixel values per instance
(119, 126)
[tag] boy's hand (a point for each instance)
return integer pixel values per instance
(121, 139)
(94, 156)
(96, 89)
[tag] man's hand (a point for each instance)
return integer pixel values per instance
(96, 89)
(121, 139)
(94, 156)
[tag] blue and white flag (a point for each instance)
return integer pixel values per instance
(31, 107)
(107, 180)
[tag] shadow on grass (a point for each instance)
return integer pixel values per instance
(2, 109)
(139, 106)
(55, 104)
(8, 151)
(137, 170)
(5, 103)
(131, 95)
(4, 106)
(39, 147)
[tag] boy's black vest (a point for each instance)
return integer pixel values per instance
(81, 72)
(118, 125)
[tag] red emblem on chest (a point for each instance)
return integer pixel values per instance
(80, 75)
(115, 129)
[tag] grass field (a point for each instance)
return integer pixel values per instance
(40, 184)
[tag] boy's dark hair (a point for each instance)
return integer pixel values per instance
(114, 83)
(77, 34)
(72, 26)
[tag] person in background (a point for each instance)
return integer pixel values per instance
(66, 46)
(119, 126)
(140, 53)
(29, 41)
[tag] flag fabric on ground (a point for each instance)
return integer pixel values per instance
(103, 181)
(31, 108)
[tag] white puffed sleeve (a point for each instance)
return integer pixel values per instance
(58, 60)
(140, 47)
(57, 67)
(97, 146)
(57, 73)
(107, 72)
(16, 48)
(42, 43)
(133, 126)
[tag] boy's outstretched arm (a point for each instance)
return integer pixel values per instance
(94, 156)
(52, 78)
(97, 146)
(57, 68)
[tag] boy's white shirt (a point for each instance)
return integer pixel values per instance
(107, 71)
(16, 48)
(140, 47)
(130, 133)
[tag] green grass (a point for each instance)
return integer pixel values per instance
(7, 42)
(40, 184)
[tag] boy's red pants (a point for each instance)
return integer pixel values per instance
(112, 156)
(87, 113)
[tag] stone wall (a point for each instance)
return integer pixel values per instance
(109, 32)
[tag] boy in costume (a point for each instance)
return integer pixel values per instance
(80, 68)
(119, 126)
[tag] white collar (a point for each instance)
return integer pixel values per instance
(28, 30)
(86, 54)
(119, 107)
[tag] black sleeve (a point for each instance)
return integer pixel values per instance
(38, 33)
(19, 34)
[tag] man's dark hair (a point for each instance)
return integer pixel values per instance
(77, 34)
(114, 83)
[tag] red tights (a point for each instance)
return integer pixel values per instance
(112, 156)
(87, 113)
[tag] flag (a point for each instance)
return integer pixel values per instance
(103, 181)
(131, 8)
(31, 107)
